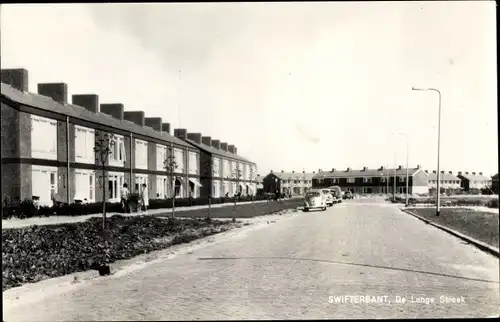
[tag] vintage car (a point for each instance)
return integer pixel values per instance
(330, 199)
(315, 199)
(348, 195)
(336, 193)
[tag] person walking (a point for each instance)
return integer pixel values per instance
(145, 197)
(124, 194)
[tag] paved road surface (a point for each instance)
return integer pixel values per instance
(290, 268)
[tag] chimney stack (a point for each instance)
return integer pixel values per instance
(480, 173)
(450, 172)
(365, 168)
(230, 148)
(57, 91)
(426, 171)
(434, 171)
(165, 127)
(466, 172)
(207, 140)
(223, 146)
(304, 171)
(348, 169)
(314, 171)
(418, 166)
(17, 78)
(293, 171)
(216, 144)
(400, 167)
(115, 110)
(382, 168)
(459, 173)
(195, 137)
(333, 169)
(154, 122)
(442, 172)
(180, 134)
(282, 171)
(136, 117)
(473, 173)
(235, 150)
(89, 101)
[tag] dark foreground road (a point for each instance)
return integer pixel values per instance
(294, 268)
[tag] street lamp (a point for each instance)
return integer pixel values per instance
(439, 142)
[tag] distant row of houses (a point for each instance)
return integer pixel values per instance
(381, 180)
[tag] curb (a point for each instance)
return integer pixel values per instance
(479, 244)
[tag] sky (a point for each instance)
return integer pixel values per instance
(294, 86)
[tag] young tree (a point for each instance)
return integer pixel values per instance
(236, 174)
(170, 165)
(103, 147)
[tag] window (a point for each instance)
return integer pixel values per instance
(43, 138)
(226, 170)
(383, 179)
(193, 163)
(162, 187)
(232, 171)
(115, 184)
(179, 160)
(296, 181)
(84, 185)
(140, 179)
(44, 184)
(84, 144)
(161, 156)
(226, 188)
(401, 178)
(216, 189)
(141, 154)
(367, 180)
(351, 180)
(216, 167)
(117, 155)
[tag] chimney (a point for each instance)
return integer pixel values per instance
(333, 169)
(418, 166)
(473, 173)
(180, 133)
(348, 169)
(442, 172)
(195, 137)
(235, 150)
(480, 173)
(216, 144)
(314, 171)
(382, 168)
(271, 171)
(206, 140)
(115, 110)
(57, 91)
(304, 171)
(154, 122)
(223, 146)
(136, 117)
(282, 171)
(293, 171)
(17, 78)
(231, 148)
(400, 167)
(319, 170)
(365, 168)
(165, 127)
(426, 171)
(434, 171)
(450, 172)
(89, 101)
(459, 173)
(466, 172)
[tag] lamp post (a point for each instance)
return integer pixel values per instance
(438, 143)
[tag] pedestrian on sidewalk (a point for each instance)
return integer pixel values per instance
(145, 197)
(124, 194)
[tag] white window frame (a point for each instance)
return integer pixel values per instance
(88, 154)
(118, 179)
(193, 162)
(43, 132)
(216, 184)
(351, 180)
(117, 157)
(180, 163)
(162, 187)
(141, 154)
(46, 174)
(90, 186)
(140, 179)
(226, 168)
(216, 167)
(161, 156)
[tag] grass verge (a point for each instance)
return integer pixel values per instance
(37, 253)
(479, 225)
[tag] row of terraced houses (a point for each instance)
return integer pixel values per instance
(48, 150)
(381, 180)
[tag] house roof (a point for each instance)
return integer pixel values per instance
(474, 177)
(48, 104)
(217, 152)
(445, 176)
(294, 175)
(366, 173)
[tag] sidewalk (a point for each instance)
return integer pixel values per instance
(18, 223)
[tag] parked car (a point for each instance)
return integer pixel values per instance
(315, 199)
(336, 193)
(348, 195)
(330, 199)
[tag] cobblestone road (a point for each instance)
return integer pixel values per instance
(289, 269)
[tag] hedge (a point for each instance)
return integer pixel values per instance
(27, 209)
(490, 203)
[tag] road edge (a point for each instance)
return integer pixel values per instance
(479, 244)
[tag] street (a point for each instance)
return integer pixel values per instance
(295, 268)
